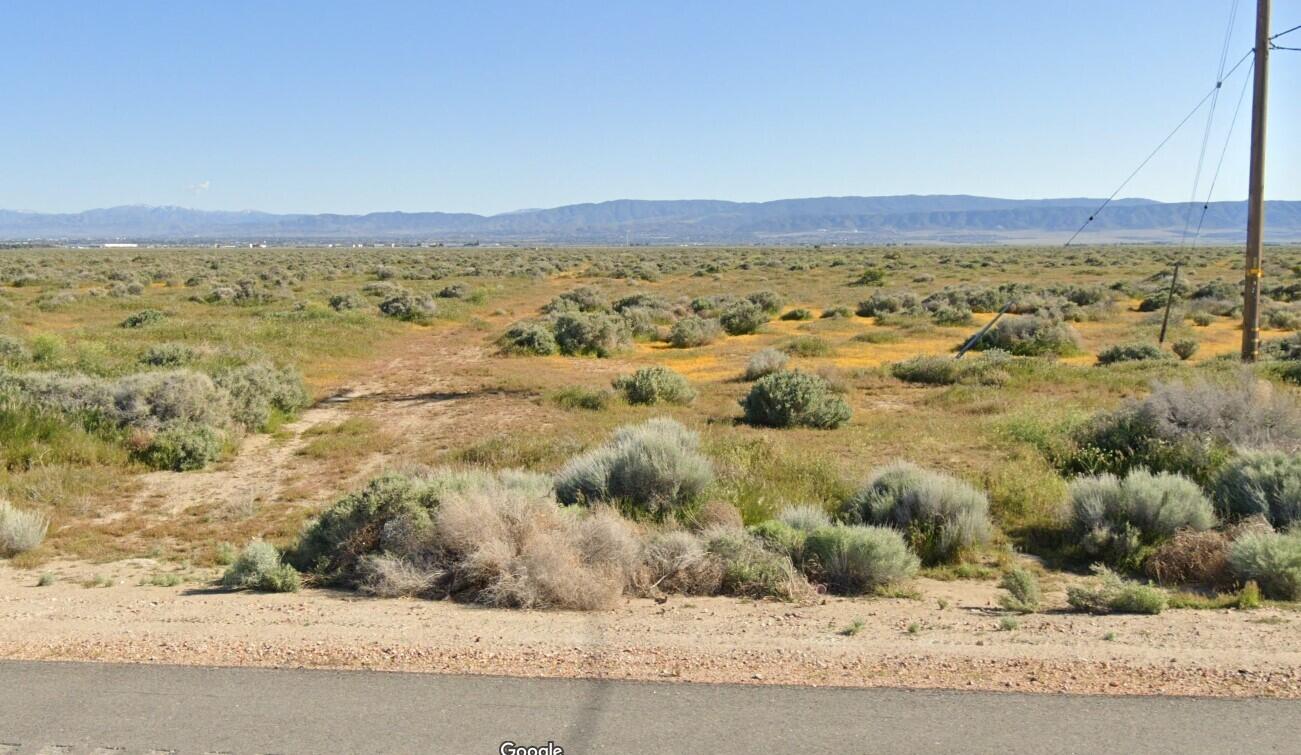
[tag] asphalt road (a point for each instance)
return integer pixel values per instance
(109, 708)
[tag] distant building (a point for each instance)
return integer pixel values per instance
(120, 246)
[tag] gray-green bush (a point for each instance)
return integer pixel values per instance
(940, 515)
(765, 362)
(1108, 592)
(692, 331)
(794, 399)
(655, 385)
(653, 468)
(1023, 593)
(1261, 483)
(857, 559)
(1119, 519)
(1271, 559)
(20, 530)
(258, 567)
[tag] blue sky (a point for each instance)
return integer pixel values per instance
(488, 107)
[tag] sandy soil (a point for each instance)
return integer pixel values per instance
(960, 645)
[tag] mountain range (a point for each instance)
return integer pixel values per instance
(897, 219)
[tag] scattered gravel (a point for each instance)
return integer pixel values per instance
(1220, 653)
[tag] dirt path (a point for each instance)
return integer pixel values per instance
(949, 638)
(419, 399)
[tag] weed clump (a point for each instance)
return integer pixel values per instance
(940, 515)
(1112, 593)
(939, 370)
(142, 318)
(20, 530)
(795, 399)
(1132, 352)
(751, 570)
(765, 362)
(1023, 593)
(677, 561)
(258, 567)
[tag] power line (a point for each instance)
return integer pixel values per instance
(1210, 122)
(1285, 31)
(1233, 122)
(1164, 141)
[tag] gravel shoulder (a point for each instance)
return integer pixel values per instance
(902, 642)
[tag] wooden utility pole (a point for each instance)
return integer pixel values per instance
(1256, 190)
(1169, 301)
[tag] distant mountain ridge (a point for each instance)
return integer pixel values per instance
(907, 218)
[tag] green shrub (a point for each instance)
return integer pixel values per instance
(1272, 560)
(870, 277)
(769, 301)
(753, 571)
(952, 316)
(1111, 593)
(583, 299)
(940, 515)
(654, 468)
(1184, 348)
(765, 362)
(1131, 352)
(182, 447)
(259, 568)
(1187, 428)
(1262, 483)
(142, 318)
(655, 385)
(837, 313)
(409, 307)
(12, 350)
(794, 399)
(347, 301)
(533, 338)
(781, 537)
(1118, 519)
(884, 303)
(1202, 319)
(597, 334)
(808, 347)
(692, 331)
(987, 369)
(798, 314)
(577, 397)
(742, 317)
(1029, 336)
(804, 517)
(168, 355)
(1023, 593)
(257, 390)
(855, 559)
(20, 530)
(392, 513)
